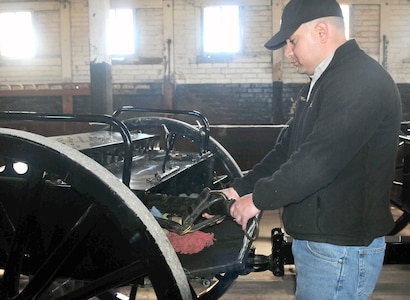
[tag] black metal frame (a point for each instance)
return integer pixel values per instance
(397, 250)
(205, 129)
(224, 281)
(103, 119)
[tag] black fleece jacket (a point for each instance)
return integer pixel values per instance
(333, 169)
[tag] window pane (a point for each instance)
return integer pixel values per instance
(221, 29)
(16, 35)
(121, 38)
(346, 15)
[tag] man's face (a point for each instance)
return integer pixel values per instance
(302, 48)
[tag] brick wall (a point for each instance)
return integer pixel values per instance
(365, 19)
(252, 65)
(396, 31)
(80, 44)
(228, 103)
(240, 89)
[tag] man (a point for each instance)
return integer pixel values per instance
(333, 168)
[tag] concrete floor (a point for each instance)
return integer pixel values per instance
(393, 283)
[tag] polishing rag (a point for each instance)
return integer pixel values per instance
(190, 243)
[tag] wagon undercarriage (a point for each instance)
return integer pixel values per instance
(77, 212)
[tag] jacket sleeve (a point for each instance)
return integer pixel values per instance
(340, 128)
(267, 166)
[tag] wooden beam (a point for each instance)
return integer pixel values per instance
(68, 104)
(47, 91)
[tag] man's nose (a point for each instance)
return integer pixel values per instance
(288, 49)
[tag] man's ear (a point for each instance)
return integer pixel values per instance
(322, 31)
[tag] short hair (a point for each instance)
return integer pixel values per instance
(336, 22)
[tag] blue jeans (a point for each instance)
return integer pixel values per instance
(326, 271)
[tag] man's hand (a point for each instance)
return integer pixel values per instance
(230, 193)
(243, 209)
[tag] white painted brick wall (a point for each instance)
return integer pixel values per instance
(47, 66)
(48, 23)
(243, 68)
(397, 31)
(80, 41)
(366, 29)
(150, 24)
(253, 65)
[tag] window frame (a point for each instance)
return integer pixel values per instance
(215, 57)
(34, 53)
(118, 58)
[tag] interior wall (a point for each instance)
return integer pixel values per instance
(255, 86)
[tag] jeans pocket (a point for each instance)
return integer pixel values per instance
(332, 253)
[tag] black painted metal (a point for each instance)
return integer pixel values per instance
(123, 228)
(196, 114)
(400, 191)
(405, 200)
(397, 252)
(58, 257)
(104, 119)
(189, 132)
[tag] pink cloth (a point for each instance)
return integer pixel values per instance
(190, 243)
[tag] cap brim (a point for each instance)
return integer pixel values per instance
(279, 39)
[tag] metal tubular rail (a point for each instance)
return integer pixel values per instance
(193, 113)
(104, 119)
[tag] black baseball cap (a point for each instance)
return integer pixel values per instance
(297, 12)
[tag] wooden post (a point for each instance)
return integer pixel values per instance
(168, 83)
(100, 67)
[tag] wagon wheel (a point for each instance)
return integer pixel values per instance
(225, 163)
(87, 202)
(398, 198)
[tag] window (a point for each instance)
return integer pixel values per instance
(16, 35)
(221, 30)
(346, 15)
(121, 37)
